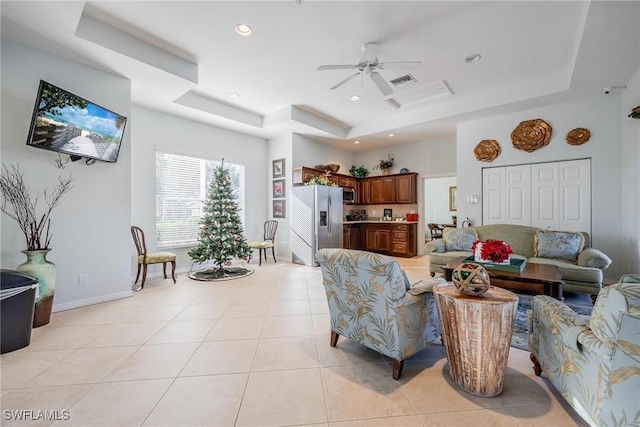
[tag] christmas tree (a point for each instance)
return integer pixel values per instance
(221, 237)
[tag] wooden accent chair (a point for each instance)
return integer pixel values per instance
(269, 237)
(436, 231)
(145, 258)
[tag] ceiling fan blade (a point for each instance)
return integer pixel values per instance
(370, 51)
(382, 85)
(337, 67)
(409, 65)
(345, 80)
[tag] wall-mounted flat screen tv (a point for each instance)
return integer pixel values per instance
(66, 123)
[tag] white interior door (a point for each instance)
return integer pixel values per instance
(574, 195)
(493, 196)
(555, 196)
(544, 195)
(518, 195)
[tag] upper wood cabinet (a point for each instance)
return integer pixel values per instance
(303, 174)
(383, 190)
(388, 189)
(376, 190)
(405, 188)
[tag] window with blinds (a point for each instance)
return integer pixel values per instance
(182, 185)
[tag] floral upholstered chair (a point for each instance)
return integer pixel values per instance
(594, 362)
(369, 304)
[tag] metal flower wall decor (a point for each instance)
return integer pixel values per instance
(578, 136)
(487, 150)
(531, 135)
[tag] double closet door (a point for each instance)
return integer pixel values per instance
(554, 195)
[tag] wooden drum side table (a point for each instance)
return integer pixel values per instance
(476, 332)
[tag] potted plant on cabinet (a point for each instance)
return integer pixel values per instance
(385, 165)
(18, 205)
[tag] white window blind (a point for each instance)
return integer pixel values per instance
(182, 184)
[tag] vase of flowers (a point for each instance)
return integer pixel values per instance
(17, 204)
(492, 251)
(385, 165)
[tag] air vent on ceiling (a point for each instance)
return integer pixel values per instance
(405, 82)
(421, 94)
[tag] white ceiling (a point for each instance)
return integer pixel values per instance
(184, 58)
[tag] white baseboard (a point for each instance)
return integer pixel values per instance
(90, 301)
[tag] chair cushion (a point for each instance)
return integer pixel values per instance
(460, 240)
(260, 245)
(564, 245)
(156, 257)
(570, 271)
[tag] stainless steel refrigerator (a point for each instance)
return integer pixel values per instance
(316, 221)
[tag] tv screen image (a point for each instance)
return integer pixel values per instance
(66, 123)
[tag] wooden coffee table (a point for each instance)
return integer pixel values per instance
(535, 279)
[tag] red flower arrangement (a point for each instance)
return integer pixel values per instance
(493, 250)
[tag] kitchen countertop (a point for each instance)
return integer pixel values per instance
(368, 221)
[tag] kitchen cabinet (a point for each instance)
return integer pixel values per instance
(346, 181)
(303, 174)
(383, 190)
(377, 238)
(364, 192)
(387, 189)
(405, 188)
(351, 236)
(391, 239)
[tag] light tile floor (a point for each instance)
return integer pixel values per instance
(247, 352)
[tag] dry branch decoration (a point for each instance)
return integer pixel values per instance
(487, 150)
(578, 136)
(17, 204)
(531, 135)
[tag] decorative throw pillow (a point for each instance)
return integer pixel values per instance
(565, 245)
(460, 240)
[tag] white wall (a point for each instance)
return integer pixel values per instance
(281, 148)
(601, 115)
(631, 177)
(91, 226)
(153, 131)
(436, 200)
(309, 152)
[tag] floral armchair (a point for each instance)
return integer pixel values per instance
(369, 304)
(593, 361)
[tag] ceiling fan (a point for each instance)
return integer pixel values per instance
(369, 64)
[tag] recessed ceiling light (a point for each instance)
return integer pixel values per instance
(355, 98)
(243, 29)
(356, 142)
(391, 135)
(473, 58)
(234, 95)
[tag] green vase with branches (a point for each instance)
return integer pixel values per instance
(18, 205)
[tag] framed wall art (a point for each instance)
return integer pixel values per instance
(453, 206)
(279, 208)
(278, 168)
(278, 188)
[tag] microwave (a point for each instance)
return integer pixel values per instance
(348, 195)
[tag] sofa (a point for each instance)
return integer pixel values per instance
(580, 264)
(593, 361)
(372, 303)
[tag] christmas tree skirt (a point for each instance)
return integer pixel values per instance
(227, 273)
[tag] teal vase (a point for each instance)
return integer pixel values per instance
(45, 271)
